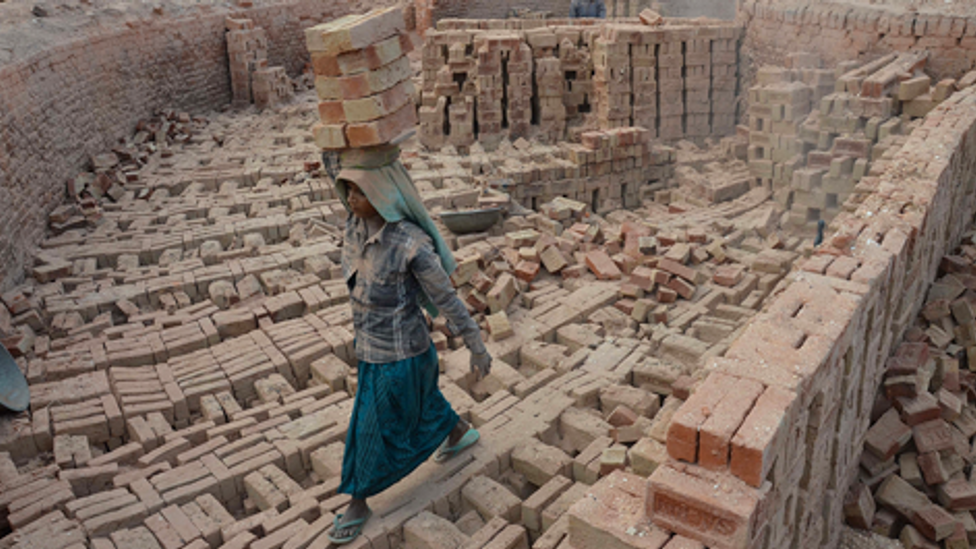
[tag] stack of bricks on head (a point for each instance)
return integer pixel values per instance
(363, 79)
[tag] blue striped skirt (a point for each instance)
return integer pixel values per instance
(399, 418)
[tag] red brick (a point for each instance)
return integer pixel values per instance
(859, 506)
(481, 282)
(325, 64)
(527, 270)
(932, 436)
(666, 295)
(887, 436)
(676, 269)
(681, 388)
(682, 441)
(924, 407)
(383, 130)
(757, 442)
(728, 275)
(916, 354)
(331, 112)
(602, 266)
(717, 431)
(682, 287)
(933, 522)
(958, 494)
(621, 416)
(643, 278)
(710, 507)
(355, 32)
(612, 514)
(931, 467)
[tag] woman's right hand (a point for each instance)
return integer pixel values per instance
(481, 363)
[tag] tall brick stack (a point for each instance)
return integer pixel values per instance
(774, 123)
(671, 85)
(270, 86)
(251, 79)
(606, 74)
(612, 83)
(578, 79)
(698, 84)
(519, 91)
(724, 71)
(550, 83)
(644, 85)
(363, 79)
(490, 87)
(247, 48)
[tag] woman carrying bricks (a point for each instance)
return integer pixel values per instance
(396, 265)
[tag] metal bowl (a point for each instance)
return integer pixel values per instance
(471, 221)
(14, 392)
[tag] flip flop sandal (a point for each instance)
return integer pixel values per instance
(355, 525)
(446, 452)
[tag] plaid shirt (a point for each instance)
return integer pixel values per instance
(385, 274)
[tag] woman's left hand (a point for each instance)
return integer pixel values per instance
(481, 364)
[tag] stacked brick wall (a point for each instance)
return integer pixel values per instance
(840, 32)
(764, 450)
(675, 81)
(59, 108)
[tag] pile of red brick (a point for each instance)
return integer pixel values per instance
(363, 79)
(918, 454)
(112, 172)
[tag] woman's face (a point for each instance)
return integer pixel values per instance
(358, 202)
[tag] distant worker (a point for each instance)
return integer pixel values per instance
(588, 8)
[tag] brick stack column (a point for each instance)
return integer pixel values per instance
(550, 84)
(724, 76)
(611, 82)
(423, 15)
(671, 85)
(519, 86)
(247, 48)
(698, 83)
(644, 62)
(489, 91)
(432, 117)
(270, 86)
(577, 68)
(461, 118)
(433, 57)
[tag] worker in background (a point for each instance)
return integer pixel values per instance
(588, 8)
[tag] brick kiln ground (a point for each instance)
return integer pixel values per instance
(190, 348)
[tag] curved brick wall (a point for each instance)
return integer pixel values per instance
(840, 32)
(84, 90)
(777, 427)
